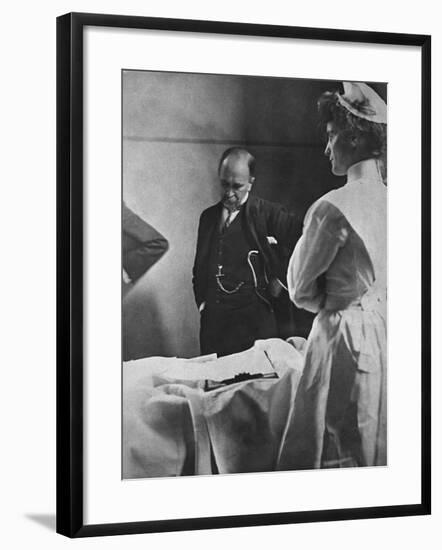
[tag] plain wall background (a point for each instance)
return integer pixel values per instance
(27, 397)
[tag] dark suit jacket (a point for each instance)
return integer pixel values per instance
(262, 219)
(142, 244)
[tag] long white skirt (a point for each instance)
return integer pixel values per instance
(339, 417)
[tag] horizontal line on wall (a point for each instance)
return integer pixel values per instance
(248, 143)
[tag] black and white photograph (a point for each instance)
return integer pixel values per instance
(222, 245)
(254, 274)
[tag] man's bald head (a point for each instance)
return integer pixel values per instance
(236, 174)
(238, 154)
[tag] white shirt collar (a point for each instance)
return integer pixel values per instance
(246, 196)
(243, 201)
(232, 215)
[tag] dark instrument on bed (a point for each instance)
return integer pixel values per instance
(210, 385)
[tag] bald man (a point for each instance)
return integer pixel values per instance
(236, 264)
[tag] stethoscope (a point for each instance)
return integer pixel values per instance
(219, 275)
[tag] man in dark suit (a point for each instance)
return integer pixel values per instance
(237, 266)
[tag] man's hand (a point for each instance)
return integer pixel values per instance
(275, 287)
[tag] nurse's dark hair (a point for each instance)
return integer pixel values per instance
(375, 133)
(239, 152)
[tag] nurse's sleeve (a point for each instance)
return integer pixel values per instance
(325, 232)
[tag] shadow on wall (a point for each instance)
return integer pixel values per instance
(159, 314)
(141, 309)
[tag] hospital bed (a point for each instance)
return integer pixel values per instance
(208, 415)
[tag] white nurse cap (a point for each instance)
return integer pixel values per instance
(363, 102)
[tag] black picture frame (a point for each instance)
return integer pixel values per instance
(70, 273)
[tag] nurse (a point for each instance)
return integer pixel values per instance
(338, 271)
